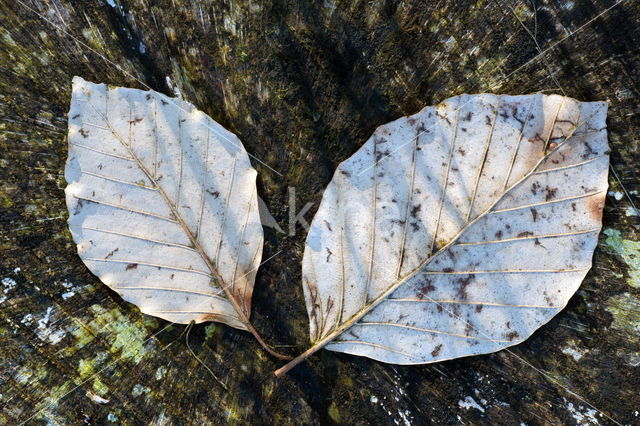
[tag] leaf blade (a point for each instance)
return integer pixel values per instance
(524, 144)
(144, 180)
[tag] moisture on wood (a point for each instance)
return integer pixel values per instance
(303, 85)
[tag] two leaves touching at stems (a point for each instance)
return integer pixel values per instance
(457, 231)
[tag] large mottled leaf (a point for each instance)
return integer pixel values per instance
(163, 205)
(459, 230)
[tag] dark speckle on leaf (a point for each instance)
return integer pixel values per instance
(534, 188)
(463, 283)
(436, 351)
(111, 253)
(426, 288)
(512, 335)
(551, 193)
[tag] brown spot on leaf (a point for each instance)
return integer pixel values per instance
(534, 214)
(329, 253)
(588, 151)
(380, 154)
(513, 335)
(436, 351)
(479, 308)
(551, 193)
(75, 116)
(525, 234)
(346, 173)
(427, 287)
(595, 206)
(537, 138)
(214, 194)
(468, 328)
(131, 266)
(83, 132)
(534, 188)
(499, 234)
(111, 253)
(329, 304)
(463, 284)
(79, 205)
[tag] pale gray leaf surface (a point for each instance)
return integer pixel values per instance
(162, 203)
(459, 230)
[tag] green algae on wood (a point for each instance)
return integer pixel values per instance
(629, 251)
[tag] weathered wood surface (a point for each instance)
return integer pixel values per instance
(303, 84)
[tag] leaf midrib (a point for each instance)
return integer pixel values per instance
(214, 272)
(341, 328)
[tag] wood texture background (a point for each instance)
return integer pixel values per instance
(303, 84)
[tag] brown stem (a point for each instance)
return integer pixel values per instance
(265, 345)
(328, 338)
(297, 360)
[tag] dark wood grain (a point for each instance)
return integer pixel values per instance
(303, 84)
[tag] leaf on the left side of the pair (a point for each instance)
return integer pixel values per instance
(162, 204)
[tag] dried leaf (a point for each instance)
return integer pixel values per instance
(163, 204)
(457, 231)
